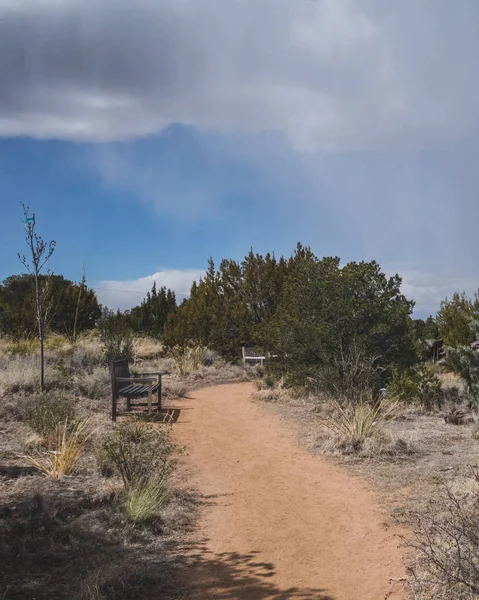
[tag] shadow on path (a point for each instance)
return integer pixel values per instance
(78, 547)
(234, 576)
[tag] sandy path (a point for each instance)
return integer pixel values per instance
(276, 521)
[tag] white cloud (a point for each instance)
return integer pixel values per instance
(428, 288)
(328, 74)
(126, 294)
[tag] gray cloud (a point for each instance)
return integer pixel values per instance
(329, 74)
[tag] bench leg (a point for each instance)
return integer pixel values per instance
(113, 407)
(149, 396)
(159, 393)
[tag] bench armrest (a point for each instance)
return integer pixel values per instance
(159, 374)
(135, 379)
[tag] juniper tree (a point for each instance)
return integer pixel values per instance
(464, 360)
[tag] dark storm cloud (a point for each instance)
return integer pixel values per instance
(382, 94)
(330, 74)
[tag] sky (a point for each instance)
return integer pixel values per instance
(148, 136)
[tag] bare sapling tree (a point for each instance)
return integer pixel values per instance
(41, 253)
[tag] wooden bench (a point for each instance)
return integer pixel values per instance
(250, 355)
(133, 387)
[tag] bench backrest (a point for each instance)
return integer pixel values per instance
(119, 368)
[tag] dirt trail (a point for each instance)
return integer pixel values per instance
(277, 522)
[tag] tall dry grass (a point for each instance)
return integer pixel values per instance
(146, 348)
(190, 358)
(355, 423)
(143, 503)
(70, 441)
(22, 373)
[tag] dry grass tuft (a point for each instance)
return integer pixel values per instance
(143, 503)
(33, 443)
(355, 423)
(176, 389)
(69, 445)
(19, 373)
(22, 374)
(145, 348)
(270, 395)
(190, 359)
(94, 384)
(24, 347)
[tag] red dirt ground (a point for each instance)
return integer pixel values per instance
(277, 522)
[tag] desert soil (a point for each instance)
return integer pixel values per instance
(275, 521)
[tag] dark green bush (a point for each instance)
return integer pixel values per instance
(116, 337)
(418, 385)
(464, 360)
(339, 327)
(269, 381)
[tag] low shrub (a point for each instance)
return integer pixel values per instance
(22, 374)
(116, 339)
(46, 412)
(268, 395)
(177, 389)
(419, 385)
(465, 361)
(259, 370)
(349, 374)
(140, 453)
(103, 460)
(268, 382)
(69, 442)
(23, 347)
(94, 384)
(446, 542)
(87, 353)
(56, 342)
(210, 358)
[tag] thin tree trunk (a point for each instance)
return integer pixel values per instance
(40, 333)
(42, 365)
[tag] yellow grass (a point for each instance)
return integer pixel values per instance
(144, 503)
(68, 448)
(189, 359)
(355, 423)
(147, 348)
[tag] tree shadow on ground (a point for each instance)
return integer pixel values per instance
(236, 576)
(72, 547)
